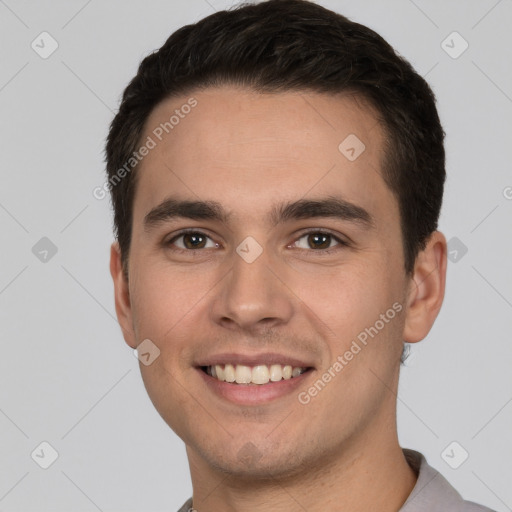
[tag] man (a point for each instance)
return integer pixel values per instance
(277, 174)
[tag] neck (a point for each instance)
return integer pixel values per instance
(370, 474)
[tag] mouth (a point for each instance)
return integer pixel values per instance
(253, 379)
(254, 385)
(259, 375)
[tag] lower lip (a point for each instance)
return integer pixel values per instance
(254, 394)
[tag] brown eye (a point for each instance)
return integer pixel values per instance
(194, 240)
(317, 240)
(191, 240)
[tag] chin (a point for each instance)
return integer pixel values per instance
(250, 462)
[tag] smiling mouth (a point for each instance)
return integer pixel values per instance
(258, 374)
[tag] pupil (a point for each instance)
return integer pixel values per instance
(314, 239)
(193, 238)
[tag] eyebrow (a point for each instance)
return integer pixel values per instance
(333, 207)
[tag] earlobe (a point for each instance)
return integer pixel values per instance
(426, 289)
(122, 295)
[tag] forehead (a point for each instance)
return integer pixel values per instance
(246, 149)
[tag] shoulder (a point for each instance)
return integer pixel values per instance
(432, 492)
(187, 506)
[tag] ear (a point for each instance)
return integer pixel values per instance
(122, 295)
(426, 289)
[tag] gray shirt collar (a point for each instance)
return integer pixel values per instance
(432, 492)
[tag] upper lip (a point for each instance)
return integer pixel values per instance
(254, 360)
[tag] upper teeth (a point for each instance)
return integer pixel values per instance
(260, 374)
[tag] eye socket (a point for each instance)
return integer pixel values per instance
(192, 240)
(322, 239)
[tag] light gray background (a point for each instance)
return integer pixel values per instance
(66, 375)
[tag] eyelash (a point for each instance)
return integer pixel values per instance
(340, 243)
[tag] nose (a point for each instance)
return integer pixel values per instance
(253, 296)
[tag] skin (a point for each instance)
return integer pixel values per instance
(249, 151)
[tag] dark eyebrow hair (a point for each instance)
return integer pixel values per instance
(324, 207)
(302, 209)
(196, 210)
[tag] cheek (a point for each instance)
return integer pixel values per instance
(162, 299)
(166, 306)
(359, 311)
(346, 298)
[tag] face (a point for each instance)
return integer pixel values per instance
(260, 243)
